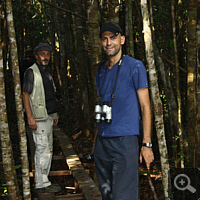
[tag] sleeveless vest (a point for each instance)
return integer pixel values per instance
(37, 97)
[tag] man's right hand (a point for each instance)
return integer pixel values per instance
(32, 124)
(31, 121)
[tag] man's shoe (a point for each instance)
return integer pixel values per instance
(55, 185)
(90, 157)
(49, 189)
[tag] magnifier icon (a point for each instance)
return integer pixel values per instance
(182, 182)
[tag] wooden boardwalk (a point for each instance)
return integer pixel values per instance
(89, 190)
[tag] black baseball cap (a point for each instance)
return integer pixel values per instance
(42, 46)
(111, 27)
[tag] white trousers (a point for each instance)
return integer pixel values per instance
(43, 138)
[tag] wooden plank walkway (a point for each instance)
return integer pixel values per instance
(88, 188)
(85, 183)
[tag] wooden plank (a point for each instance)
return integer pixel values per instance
(59, 173)
(86, 184)
(71, 197)
(46, 196)
(56, 173)
(58, 157)
(63, 197)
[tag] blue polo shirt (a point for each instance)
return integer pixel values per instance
(126, 108)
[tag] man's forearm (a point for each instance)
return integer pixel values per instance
(31, 121)
(146, 119)
(143, 95)
(26, 102)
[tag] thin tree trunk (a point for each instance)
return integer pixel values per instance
(55, 61)
(159, 124)
(54, 40)
(198, 92)
(168, 90)
(82, 63)
(6, 146)
(191, 81)
(18, 100)
(93, 16)
(64, 61)
(177, 85)
(62, 66)
(74, 109)
(113, 12)
(171, 100)
(129, 28)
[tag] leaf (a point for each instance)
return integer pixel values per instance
(179, 160)
(181, 154)
(144, 172)
(156, 171)
(76, 135)
(18, 166)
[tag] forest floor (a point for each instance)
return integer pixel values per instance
(82, 144)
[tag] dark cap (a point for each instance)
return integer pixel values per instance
(42, 46)
(111, 27)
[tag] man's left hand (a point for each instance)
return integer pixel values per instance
(55, 121)
(148, 156)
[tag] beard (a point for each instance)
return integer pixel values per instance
(113, 52)
(44, 62)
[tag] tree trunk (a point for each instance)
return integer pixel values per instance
(129, 28)
(156, 99)
(6, 147)
(179, 128)
(82, 63)
(171, 100)
(62, 65)
(113, 11)
(18, 101)
(191, 81)
(93, 31)
(95, 49)
(198, 92)
(55, 60)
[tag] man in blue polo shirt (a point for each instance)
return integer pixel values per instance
(122, 88)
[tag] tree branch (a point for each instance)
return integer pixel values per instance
(63, 9)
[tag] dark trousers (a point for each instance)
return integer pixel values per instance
(116, 162)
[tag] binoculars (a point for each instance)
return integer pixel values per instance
(103, 113)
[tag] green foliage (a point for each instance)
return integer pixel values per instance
(179, 160)
(18, 166)
(5, 191)
(144, 172)
(3, 186)
(180, 154)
